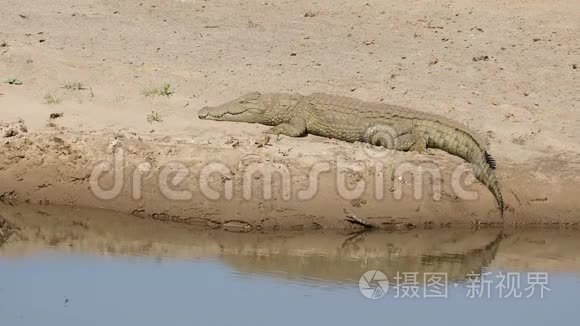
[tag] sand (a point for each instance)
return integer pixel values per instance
(508, 70)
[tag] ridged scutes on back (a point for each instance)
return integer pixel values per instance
(361, 108)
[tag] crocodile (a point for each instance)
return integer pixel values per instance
(352, 120)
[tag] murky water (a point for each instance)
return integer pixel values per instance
(86, 267)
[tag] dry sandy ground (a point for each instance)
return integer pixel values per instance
(508, 69)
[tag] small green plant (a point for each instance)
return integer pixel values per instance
(51, 99)
(13, 81)
(164, 90)
(74, 86)
(153, 117)
(150, 92)
(251, 24)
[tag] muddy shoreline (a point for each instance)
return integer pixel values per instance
(242, 187)
(333, 256)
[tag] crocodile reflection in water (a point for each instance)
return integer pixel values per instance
(319, 255)
(372, 251)
(6, 230)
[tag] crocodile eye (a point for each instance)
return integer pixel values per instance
(247, 101)
(250, 97)
(255, 111)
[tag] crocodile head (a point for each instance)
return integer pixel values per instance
(248, 108)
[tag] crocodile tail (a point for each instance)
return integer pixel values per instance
(470, 147)
(485, 172)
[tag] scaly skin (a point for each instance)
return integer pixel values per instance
(352, 120)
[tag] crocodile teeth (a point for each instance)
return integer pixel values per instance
(207, 112)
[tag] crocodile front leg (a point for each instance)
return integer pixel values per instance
(296, 127)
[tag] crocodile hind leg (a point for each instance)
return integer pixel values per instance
(399, 139)
(389, 136)
(296, 127)
(420, 141)
(404, 142)
(410, 142)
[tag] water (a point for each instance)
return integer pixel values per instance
(95, 268)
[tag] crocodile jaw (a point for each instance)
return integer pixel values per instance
(211, 113)
(248, 108)
(219, 114)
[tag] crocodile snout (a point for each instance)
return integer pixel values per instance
(203, 113)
